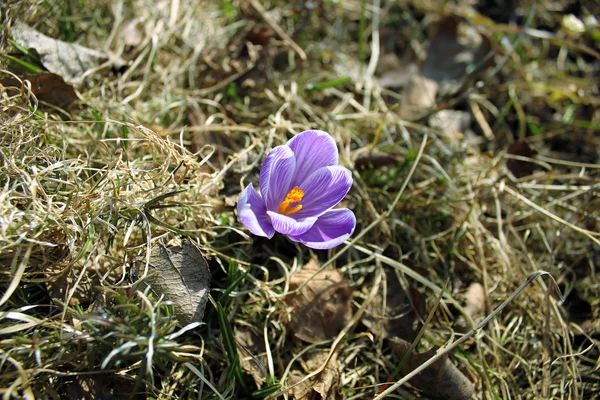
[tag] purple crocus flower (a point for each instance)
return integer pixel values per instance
(300, 183)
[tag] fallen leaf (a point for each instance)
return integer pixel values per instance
(401, 313)
(47, 87)
(451, 123)
(101, 387)
(251, 348)
(520, 168)
(455, 50)
(183, 277)
(322, 386)
(474, 305)
(375, 159)
(442, 380)
(60, 287)
(322, 307)
(395, 72)
(132, 33)
(201, 137)
(68, 60)
(475, 299)
(420, 93)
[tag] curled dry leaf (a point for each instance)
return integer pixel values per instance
(47, 87)
(181, 274)
(68, 60)
(322, 386)
(60, 287)
(322, 307)
(205, 140)
(475, 299)
(395, 72)
(442, 380)
(419, 93)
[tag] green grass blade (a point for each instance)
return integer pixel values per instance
(231, 348)
(32, 69)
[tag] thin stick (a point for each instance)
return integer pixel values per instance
(442, 351)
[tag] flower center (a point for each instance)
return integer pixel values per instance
(294, 196)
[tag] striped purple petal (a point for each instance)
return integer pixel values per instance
(252, 211)
(276, 176)
(290, 226)
(313, 150)
(330, 230)
(324, 189)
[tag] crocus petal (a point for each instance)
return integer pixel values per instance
(313, 150)
(289, 226)
(252, 211)
(276, 176)
(325, 188)
(330, 230)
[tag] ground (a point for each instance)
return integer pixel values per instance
(129, 129)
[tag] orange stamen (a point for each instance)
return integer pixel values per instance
(294, 196)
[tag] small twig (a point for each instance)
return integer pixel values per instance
(449, 348)
(417, 340)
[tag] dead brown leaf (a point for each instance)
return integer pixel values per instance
(60, 287)
(322, 307)
(376, 159)
(520, 168)
(395, 72)
(47, 87)
(101, 387)
(183, 277)
(251, 348)
(202, 136)
(324, 385)
(442, 380)
(420, 93)
(68, 60)
(455, 51)
(401, 314)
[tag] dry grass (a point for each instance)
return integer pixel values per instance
(160, 147)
